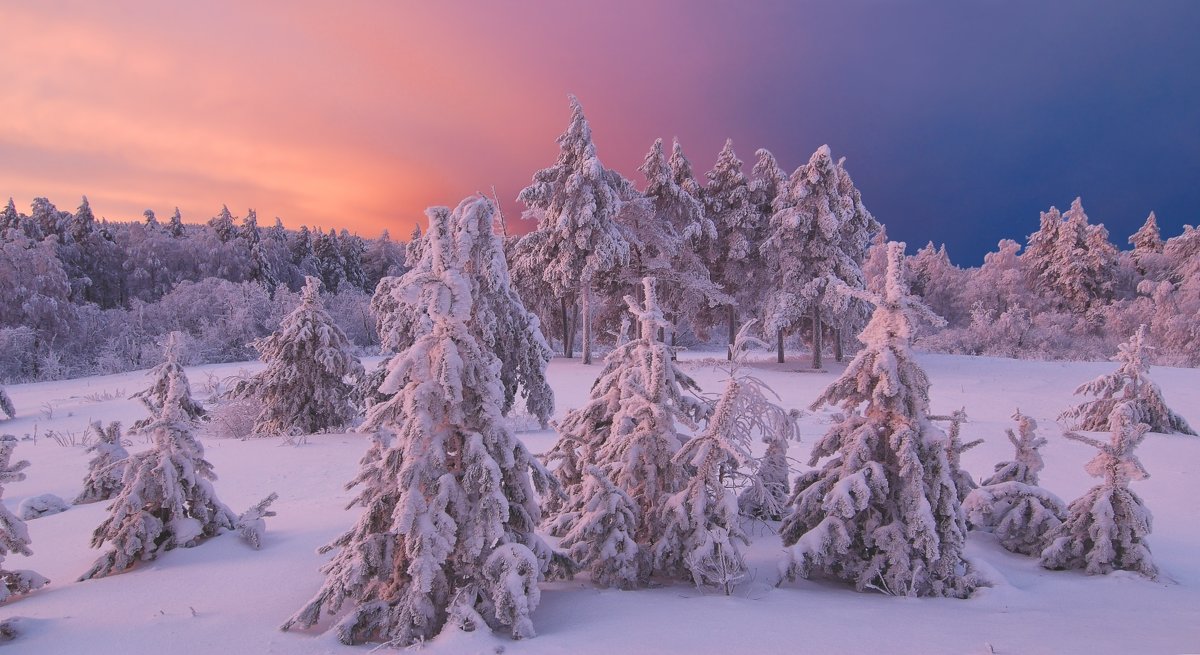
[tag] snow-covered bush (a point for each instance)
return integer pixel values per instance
(169, 372)
(449, 504)
(35, 507)
(6, 405)
(602, 533)
(107, 467)
(166, 498)
(14, 536)
(1106, 528)
(1131, 384)
(955, 448)
(304, 387)
(883, 512)
(1010, 503)
(251, 524)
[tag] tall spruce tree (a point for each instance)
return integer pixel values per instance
(447, 532)
(883, 512)
(576, 202)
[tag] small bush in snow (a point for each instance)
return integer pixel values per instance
(1106, 528)
(251, 524)
(35, 507)
(105, 470)
(1010, 504)
(14, 536)
(6, 405)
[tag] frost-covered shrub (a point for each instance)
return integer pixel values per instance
(14, 535)
(1129, 384)
(251, 524)
(1106, 528)
(36, 507)
(166, 498)
(883, 512)
(107, 467)
(602, 533)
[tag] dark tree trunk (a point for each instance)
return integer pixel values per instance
(732, 329)
(838, 350)
(779, 346)
(566, 329)
(817, 346)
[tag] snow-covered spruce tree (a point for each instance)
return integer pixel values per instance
(576, 202)
(447, 532)
(169, 372)
(14, 536)
(1010, 503)
(1129, 383)
(105, 470)
(6, 405)
(701, 527)
(813, 243)
(303, 389)
(1106, 528)
(733, 258)
(667, 241)
(166, 499)
(883, 512)
(499, 320)
(627, 429)
(602, 533)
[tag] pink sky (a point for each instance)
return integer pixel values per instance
(359, 117)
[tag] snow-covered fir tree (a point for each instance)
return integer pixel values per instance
(1148, 238)
(6, 405)
(1069, 261)
(175, 227)
(166, 499)
(818, 237)
(1130, 383)
(1106, 528)
(499, 320)
(107, 466)
(647, 391)
(327, 253)
(576, 202)
(14, 536)
(222, 224)
(883, 512)
(169, 372)
(304, 387)
(447, 532)
(1010, 504)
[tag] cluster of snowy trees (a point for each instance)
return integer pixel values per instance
(1070, 294)
(733, 249)
(84, 296)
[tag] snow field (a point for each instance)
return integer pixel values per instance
(226, 597)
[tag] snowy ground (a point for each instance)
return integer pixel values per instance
(225, 597)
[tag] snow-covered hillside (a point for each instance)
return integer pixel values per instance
(226, 597)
